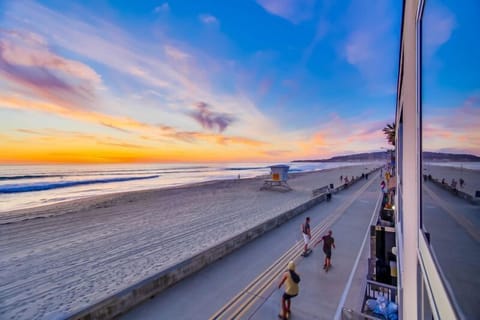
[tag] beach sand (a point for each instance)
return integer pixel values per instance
(471, 177)
(61, 258)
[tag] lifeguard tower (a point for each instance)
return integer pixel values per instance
(278, 178)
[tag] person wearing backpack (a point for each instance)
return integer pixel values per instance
(291, 279)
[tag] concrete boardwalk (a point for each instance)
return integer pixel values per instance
(243, 285)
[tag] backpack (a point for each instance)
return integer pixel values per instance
(295, 276)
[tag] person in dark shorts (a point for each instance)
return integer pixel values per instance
(291, 279)
(328, 243)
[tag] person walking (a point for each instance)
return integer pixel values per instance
(306, 235)
(291, 279)
(328, 243)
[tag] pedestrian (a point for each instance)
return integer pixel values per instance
(291, 279)
(306, 235)
(453, 185)
(328, 243)
(382, 186)
(461, 181)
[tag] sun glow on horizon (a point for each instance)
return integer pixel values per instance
(193, 86)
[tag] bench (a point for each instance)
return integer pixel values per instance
(319, 191)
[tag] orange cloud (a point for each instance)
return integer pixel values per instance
(454, 129)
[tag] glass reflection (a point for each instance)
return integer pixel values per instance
(451, 146)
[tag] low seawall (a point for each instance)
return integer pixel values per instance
(132, 296)
(457, 192)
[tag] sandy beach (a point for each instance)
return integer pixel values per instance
(63, 257)
(471, 177)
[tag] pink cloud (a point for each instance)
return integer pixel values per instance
(209, 119)
(454, 128)
(26, 61)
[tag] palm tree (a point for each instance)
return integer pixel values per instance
(389, 131)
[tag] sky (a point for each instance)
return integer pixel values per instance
(223, 81)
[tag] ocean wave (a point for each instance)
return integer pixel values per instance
(32, 176)
(17, 188)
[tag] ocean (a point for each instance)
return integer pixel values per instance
(26, 186)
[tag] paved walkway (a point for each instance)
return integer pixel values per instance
(243, 285)
(454, 226)
(324, 294)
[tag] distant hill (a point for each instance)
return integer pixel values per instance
(383, 155)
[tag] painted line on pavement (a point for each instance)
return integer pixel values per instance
(355, 266)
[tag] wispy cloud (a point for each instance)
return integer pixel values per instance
(122, 145)
(454, 128)
(114, 127)
(438, 26)
(208, 19)
(343, 135)
(372, 36)
(175, 53)
(294, 11)
(26, 61)
(209, 119)
(53, 133)
(164, 7)
(180, 74)
(168, 77)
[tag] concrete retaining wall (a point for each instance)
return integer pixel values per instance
(458, 193)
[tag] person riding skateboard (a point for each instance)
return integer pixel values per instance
(328, 243)
(291, 279)
(306, 235)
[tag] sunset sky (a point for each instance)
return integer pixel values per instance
(219, 81)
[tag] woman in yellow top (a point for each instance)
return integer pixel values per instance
(290, 279)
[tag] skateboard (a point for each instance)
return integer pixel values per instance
(306, 254)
